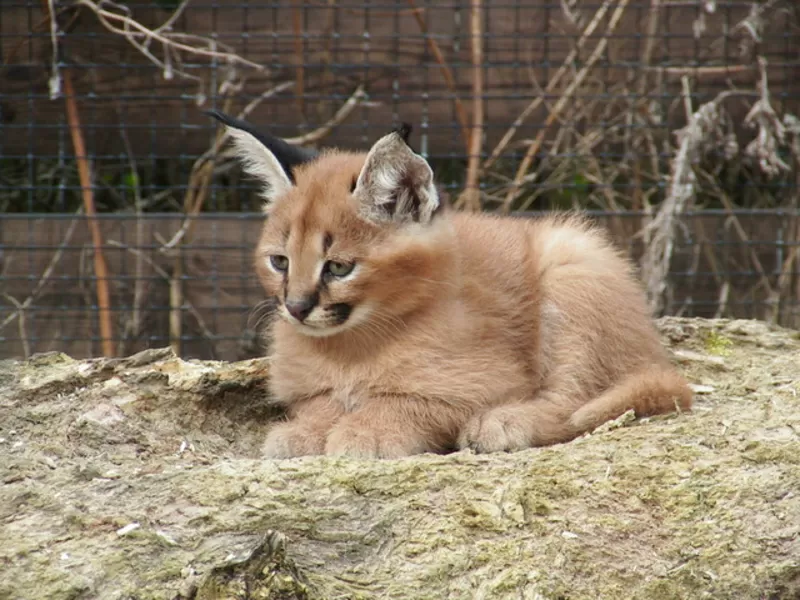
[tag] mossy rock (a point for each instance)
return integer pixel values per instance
(140, 478)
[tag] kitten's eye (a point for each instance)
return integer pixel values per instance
(339, 269)
(279, 262)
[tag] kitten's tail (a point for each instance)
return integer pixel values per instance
(656, 390)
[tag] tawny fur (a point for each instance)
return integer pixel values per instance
(478, 331)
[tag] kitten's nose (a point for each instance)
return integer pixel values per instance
(301, 308)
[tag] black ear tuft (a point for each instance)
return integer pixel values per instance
(404, 131)
(288, 156)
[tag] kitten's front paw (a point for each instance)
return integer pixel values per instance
(287, 440)
(356, 441)
(496, 430)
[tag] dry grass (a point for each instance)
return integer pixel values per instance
(564, 153)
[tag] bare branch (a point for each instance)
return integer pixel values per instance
(141, 37)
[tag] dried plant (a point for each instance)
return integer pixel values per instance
(705, 132)
(164, 46)
(709, 142)
(563, 165)
(771, 132)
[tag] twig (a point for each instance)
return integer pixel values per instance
(763, 150)
(193, 200)
(55, 75)
(752, 24)
(650, 39)
(641, 111)
(173, 18)
(134, 326)
(745, 239)
(202, 169)
(84, 173)
(215, 148)
(140, 38)
(11, 57)
(536, 102)
(337, 119)
(326, 58)
(735, 222)
(722, 299)
(562, 102)
(176, 300)
(299, 70)
(583, 147)
(787, 268)
(471, 197)
(21, 325)
(461, 113)
(676, 72)
(661, 230)
(48, 272)
(166, 276)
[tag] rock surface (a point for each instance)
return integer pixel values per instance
(140, 478)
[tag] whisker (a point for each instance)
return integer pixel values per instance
(261, 312)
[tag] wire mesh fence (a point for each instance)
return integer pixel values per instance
(672, 123)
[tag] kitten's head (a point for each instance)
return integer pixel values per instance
(352, 240)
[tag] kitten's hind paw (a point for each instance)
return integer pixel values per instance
(496, 430)
(513, 427)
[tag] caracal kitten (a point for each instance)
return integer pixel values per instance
(403, 327)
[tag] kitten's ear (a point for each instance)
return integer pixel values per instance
(268, 158)
(396, 184)
(404, 131)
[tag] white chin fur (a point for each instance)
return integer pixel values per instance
(320, 332)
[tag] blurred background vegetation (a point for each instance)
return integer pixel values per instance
(127, 223)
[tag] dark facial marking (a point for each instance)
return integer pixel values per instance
(341, 312)
(353, 185)
(326, 242)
